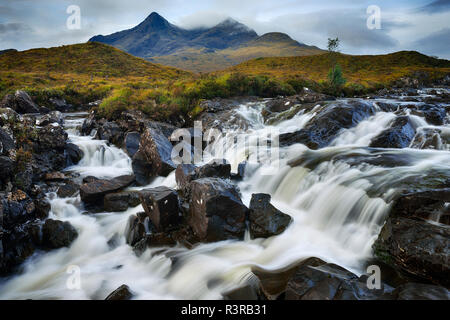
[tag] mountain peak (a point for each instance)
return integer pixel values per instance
(155, 22)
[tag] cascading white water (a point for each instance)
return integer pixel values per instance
(337, 211)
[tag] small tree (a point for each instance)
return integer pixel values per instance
(335, 76)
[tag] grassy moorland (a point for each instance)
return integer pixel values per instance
(86, 72)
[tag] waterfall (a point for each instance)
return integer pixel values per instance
(337, 207)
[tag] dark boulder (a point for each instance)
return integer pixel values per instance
(17, 208)
(51, 137)
(429, 138)
(20, 102)
(111, 132)
(60, 105)
(132, 140)
(52, 117)
(416, 247)
(154, 157)
(6, 142)
(57, 234)
(433, 114)
(420, 291)
(120, 201)
(89, 124)
(399, 135)
(216, 211)
(74, 153)
(121, 293)
(217, 168)
(184, 174)
(93, 192)
(135, 229)
(325, 126)
(68, 190)
(264, 219)
(6, 167)
(329, 282)
(162, 206)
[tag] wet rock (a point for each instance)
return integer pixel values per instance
(419, 291)
(399, 135)
(111, 132)
(121, 201)
(6, 167)
(58, 234)
(20, 102)
(247, 292)
(325, 126)
(121, 293)
(68, 190)
(328, 282)
(216, 211)
(273, 282)
(6, 142)
(433, 114)
(60, 104)
(51, 137)
(90, 179)
(264, 219)
(132, 140)
(184, 174)
(17, 208)
(74, 153)
(416, 247)
(94, 192)
(428, 138)
(217, 168)
(52, 117)
(427, 204)
(153, 157)
(135, 230)
(54, 176)
(89, 124)
(162, 206)
(42, 208)
(44, 110)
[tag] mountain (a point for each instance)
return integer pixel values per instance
(202, 49)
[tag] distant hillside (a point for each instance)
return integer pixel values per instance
(90, 59)
(206, 60)
(204, 49)
(364, 69)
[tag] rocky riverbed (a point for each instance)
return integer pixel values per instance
(358, 182)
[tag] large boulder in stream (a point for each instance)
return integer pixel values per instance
(57, 234)
(20, 102)
(94, 192)
(132, 140)
(217, 168)
(330, 119)
(314, 279)
(399, 135)
(154, 157)
(121, 201)
(264, 219)
(121, 293)
(74, 153)
(216, 211)
(162, 206)
(416, 247)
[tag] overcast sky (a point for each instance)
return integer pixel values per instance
(421, 25)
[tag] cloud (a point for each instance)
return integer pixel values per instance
(437, 6)
(14, 27)
(436, 44)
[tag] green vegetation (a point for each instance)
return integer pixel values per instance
(336, 78)
(88, 72)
